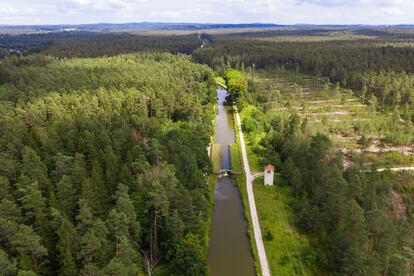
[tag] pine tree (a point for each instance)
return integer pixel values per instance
(100, 192)
(125, 261)
(95, 245)
(123, 219)
(78, 174)
(66, 196)
(31, 252)
(26, 273)
(84, 218)
(34, 168)
(190, 259)
(34, 208)
(91, 270)
(7, 267)
(63, 166)
(89, 195)
(8, 229)
(5, 189)
(68, 238)
(10, 211)
(68, 267)
(111, 169)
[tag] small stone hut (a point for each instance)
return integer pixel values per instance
(269, 172)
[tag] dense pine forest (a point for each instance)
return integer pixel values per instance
(103, 163)
(89, 44)
(103, 138)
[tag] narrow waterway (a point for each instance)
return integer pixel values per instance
(229, 249)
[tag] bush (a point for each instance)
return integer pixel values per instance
(269, 236)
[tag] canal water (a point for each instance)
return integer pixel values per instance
(229, 248)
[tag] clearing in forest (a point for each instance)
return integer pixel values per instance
(363, 134)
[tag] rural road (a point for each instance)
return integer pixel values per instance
(252, 204)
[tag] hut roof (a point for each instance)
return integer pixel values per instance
(269, 168)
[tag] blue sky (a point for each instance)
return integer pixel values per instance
(207, 11)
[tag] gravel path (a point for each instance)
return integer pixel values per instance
(252, 204)
(396, 169)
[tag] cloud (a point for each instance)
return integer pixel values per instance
(326, 2)
(332, 3)
(209, 11)
(94, 5)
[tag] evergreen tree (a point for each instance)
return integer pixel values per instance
(34, 168)
(31, 252)
(190, 259)
(7, 267)
(66, 196)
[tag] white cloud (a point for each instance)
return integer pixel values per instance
(392, 11)
(219, 11)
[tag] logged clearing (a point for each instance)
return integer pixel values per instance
(353, 125)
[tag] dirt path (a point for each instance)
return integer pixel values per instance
(252, 204)
(396, 169)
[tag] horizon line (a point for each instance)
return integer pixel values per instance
(198, 23)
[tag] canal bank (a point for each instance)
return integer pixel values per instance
(229, 250)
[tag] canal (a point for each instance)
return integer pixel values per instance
(229, 250)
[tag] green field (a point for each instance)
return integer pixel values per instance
(216, 157)
(236, 161)
(288, 251)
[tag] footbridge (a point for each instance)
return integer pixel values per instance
(225, 172)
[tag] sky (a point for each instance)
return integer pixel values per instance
(27, 12)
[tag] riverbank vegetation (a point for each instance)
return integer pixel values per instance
(236, 84)
(103, 163)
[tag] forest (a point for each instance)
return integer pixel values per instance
(311, 100)
(103, 141)
(103, 164)
(93, 44)
(358, 220)
(359, 59)
(359, 230)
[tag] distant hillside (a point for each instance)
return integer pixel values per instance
(126, 26)
(168, 26)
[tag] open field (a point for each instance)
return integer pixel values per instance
(236, 161)
(339, 36)
(289, 252)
